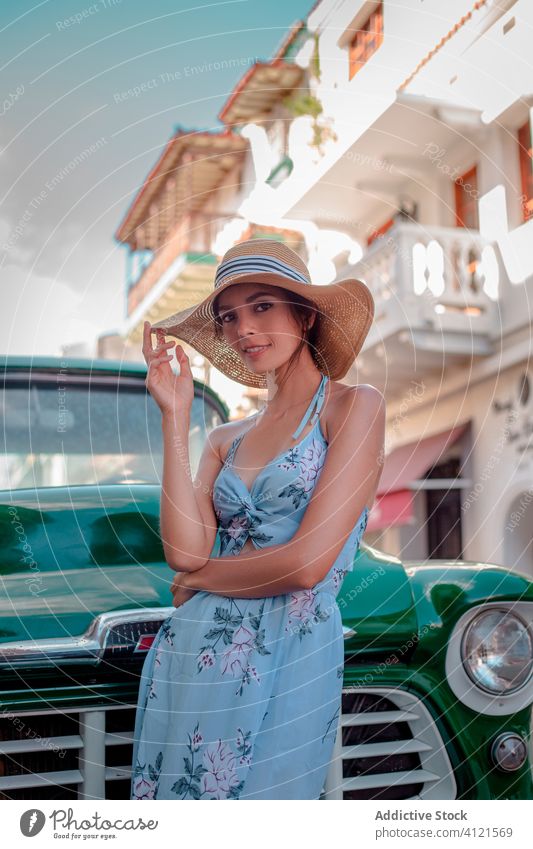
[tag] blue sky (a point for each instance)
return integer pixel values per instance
(70, 71)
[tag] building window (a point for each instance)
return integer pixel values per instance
(466, 195)
(366, 40)
(526, 164)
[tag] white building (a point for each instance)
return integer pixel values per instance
(425, 160)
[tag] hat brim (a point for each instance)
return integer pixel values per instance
(346, 311)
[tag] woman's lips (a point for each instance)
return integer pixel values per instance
(257, 353)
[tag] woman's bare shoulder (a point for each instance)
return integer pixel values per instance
(339, 387)
(345, 391)
(223, 434)
(346, 397)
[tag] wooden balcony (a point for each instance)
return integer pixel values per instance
(192, 239)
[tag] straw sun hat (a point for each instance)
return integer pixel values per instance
(345, 310)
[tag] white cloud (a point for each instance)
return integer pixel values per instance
(40, 314)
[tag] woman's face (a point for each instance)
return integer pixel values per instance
(255, 315)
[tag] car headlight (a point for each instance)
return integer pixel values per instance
(497, 651)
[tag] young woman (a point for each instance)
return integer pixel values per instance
(241, 690)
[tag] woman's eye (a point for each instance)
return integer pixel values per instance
(229, 315)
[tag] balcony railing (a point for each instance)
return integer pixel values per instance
(425, 278)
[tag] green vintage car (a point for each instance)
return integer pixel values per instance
(438, 683)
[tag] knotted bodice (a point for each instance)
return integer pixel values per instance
(270, 511)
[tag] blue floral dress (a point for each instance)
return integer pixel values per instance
(240, 697)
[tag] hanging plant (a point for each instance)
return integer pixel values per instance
(303, 103)
(321, 134)
(306, 103)
(314, 65)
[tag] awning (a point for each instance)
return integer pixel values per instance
(405, 464)
(390, 510)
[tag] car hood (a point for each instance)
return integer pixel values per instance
(376, 603)
(70, 554)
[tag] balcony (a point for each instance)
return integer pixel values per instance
(436, 292)
(180, 272)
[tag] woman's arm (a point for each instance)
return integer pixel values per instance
(185, 531)
(188, 521)
(268, 571)
(348, 482)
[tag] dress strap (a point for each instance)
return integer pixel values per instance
(318, 399)
(232, 449)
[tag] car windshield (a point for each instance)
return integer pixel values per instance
(66, 433)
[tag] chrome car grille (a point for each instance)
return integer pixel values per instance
(387, 747)
(81, 754)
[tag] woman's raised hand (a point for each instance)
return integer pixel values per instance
(172, 392)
